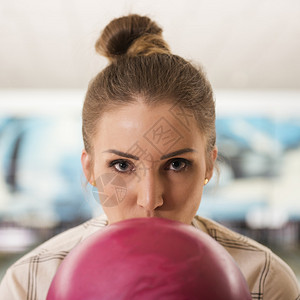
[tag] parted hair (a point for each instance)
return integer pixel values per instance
(142, 68)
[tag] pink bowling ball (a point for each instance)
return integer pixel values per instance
(149, 258)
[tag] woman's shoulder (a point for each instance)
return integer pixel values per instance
(65, 241)
(31, 275)
(227, 237)
(267, 275)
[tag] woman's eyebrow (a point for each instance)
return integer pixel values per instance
(165, 156)
(181, 151)
(123, 154)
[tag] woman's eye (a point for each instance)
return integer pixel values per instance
(178, 165)
(121, 166)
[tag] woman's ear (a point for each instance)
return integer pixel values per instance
(87, 166)
(210, 166)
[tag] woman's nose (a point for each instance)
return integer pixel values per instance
(150, 193)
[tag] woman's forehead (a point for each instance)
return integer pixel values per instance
(161, 128)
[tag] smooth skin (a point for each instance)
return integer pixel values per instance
(165, 178)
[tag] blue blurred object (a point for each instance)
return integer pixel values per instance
(40, 164)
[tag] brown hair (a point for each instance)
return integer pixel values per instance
(143, 68)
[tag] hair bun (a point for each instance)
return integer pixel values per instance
(131, 35)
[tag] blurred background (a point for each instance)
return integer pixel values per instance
(250, 51)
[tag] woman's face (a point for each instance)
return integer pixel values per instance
(148, 162)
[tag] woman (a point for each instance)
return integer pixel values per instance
(149, 148)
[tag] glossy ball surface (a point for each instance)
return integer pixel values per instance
(149, 258)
